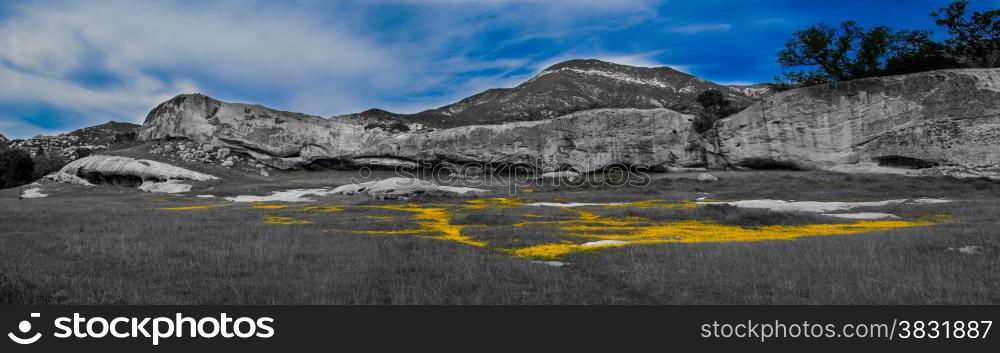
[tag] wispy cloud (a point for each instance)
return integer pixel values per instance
(703, 27)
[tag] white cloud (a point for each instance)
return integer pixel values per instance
(700, 28)
(13, 128)
(319, 62)
(45, 44)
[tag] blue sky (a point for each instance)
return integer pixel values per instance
(71, 64)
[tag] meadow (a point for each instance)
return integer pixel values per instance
(114, 245)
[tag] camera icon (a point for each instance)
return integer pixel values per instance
(25, 327)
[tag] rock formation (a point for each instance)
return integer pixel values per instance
(945, 119)
(584, 141)
(942, 122)
(126, 171)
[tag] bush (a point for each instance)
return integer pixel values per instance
(124, 140)
(46, 164)
(399, 127)
(16, 168)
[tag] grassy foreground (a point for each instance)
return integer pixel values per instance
(108, 245)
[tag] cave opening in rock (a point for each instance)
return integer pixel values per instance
(768, 164)
(896, 161)
(113, 179)
(329, 164)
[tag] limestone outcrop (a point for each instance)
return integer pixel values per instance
(945, 122)
(126, 171)
(585, 141)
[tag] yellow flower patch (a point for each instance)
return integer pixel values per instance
(284, 220)
(594, 228)
(322, 209)
(269, 206)
(432, 220)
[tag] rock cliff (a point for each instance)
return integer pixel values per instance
(943, 120)
(585, 141)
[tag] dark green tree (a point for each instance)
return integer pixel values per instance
(975, 39)
(848, 52)
(918, 53)
(713, 105)
(16, 167)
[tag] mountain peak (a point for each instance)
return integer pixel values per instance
(567, 87)
(595, 64)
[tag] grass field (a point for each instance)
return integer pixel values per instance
(111, 245)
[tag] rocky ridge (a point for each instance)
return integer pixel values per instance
(79, 143)
(569, 87)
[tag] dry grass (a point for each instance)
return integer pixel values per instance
(109, 245)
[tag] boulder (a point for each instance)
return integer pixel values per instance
(400, 187)
(707, 177)
(118, 170)
(167, 187)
